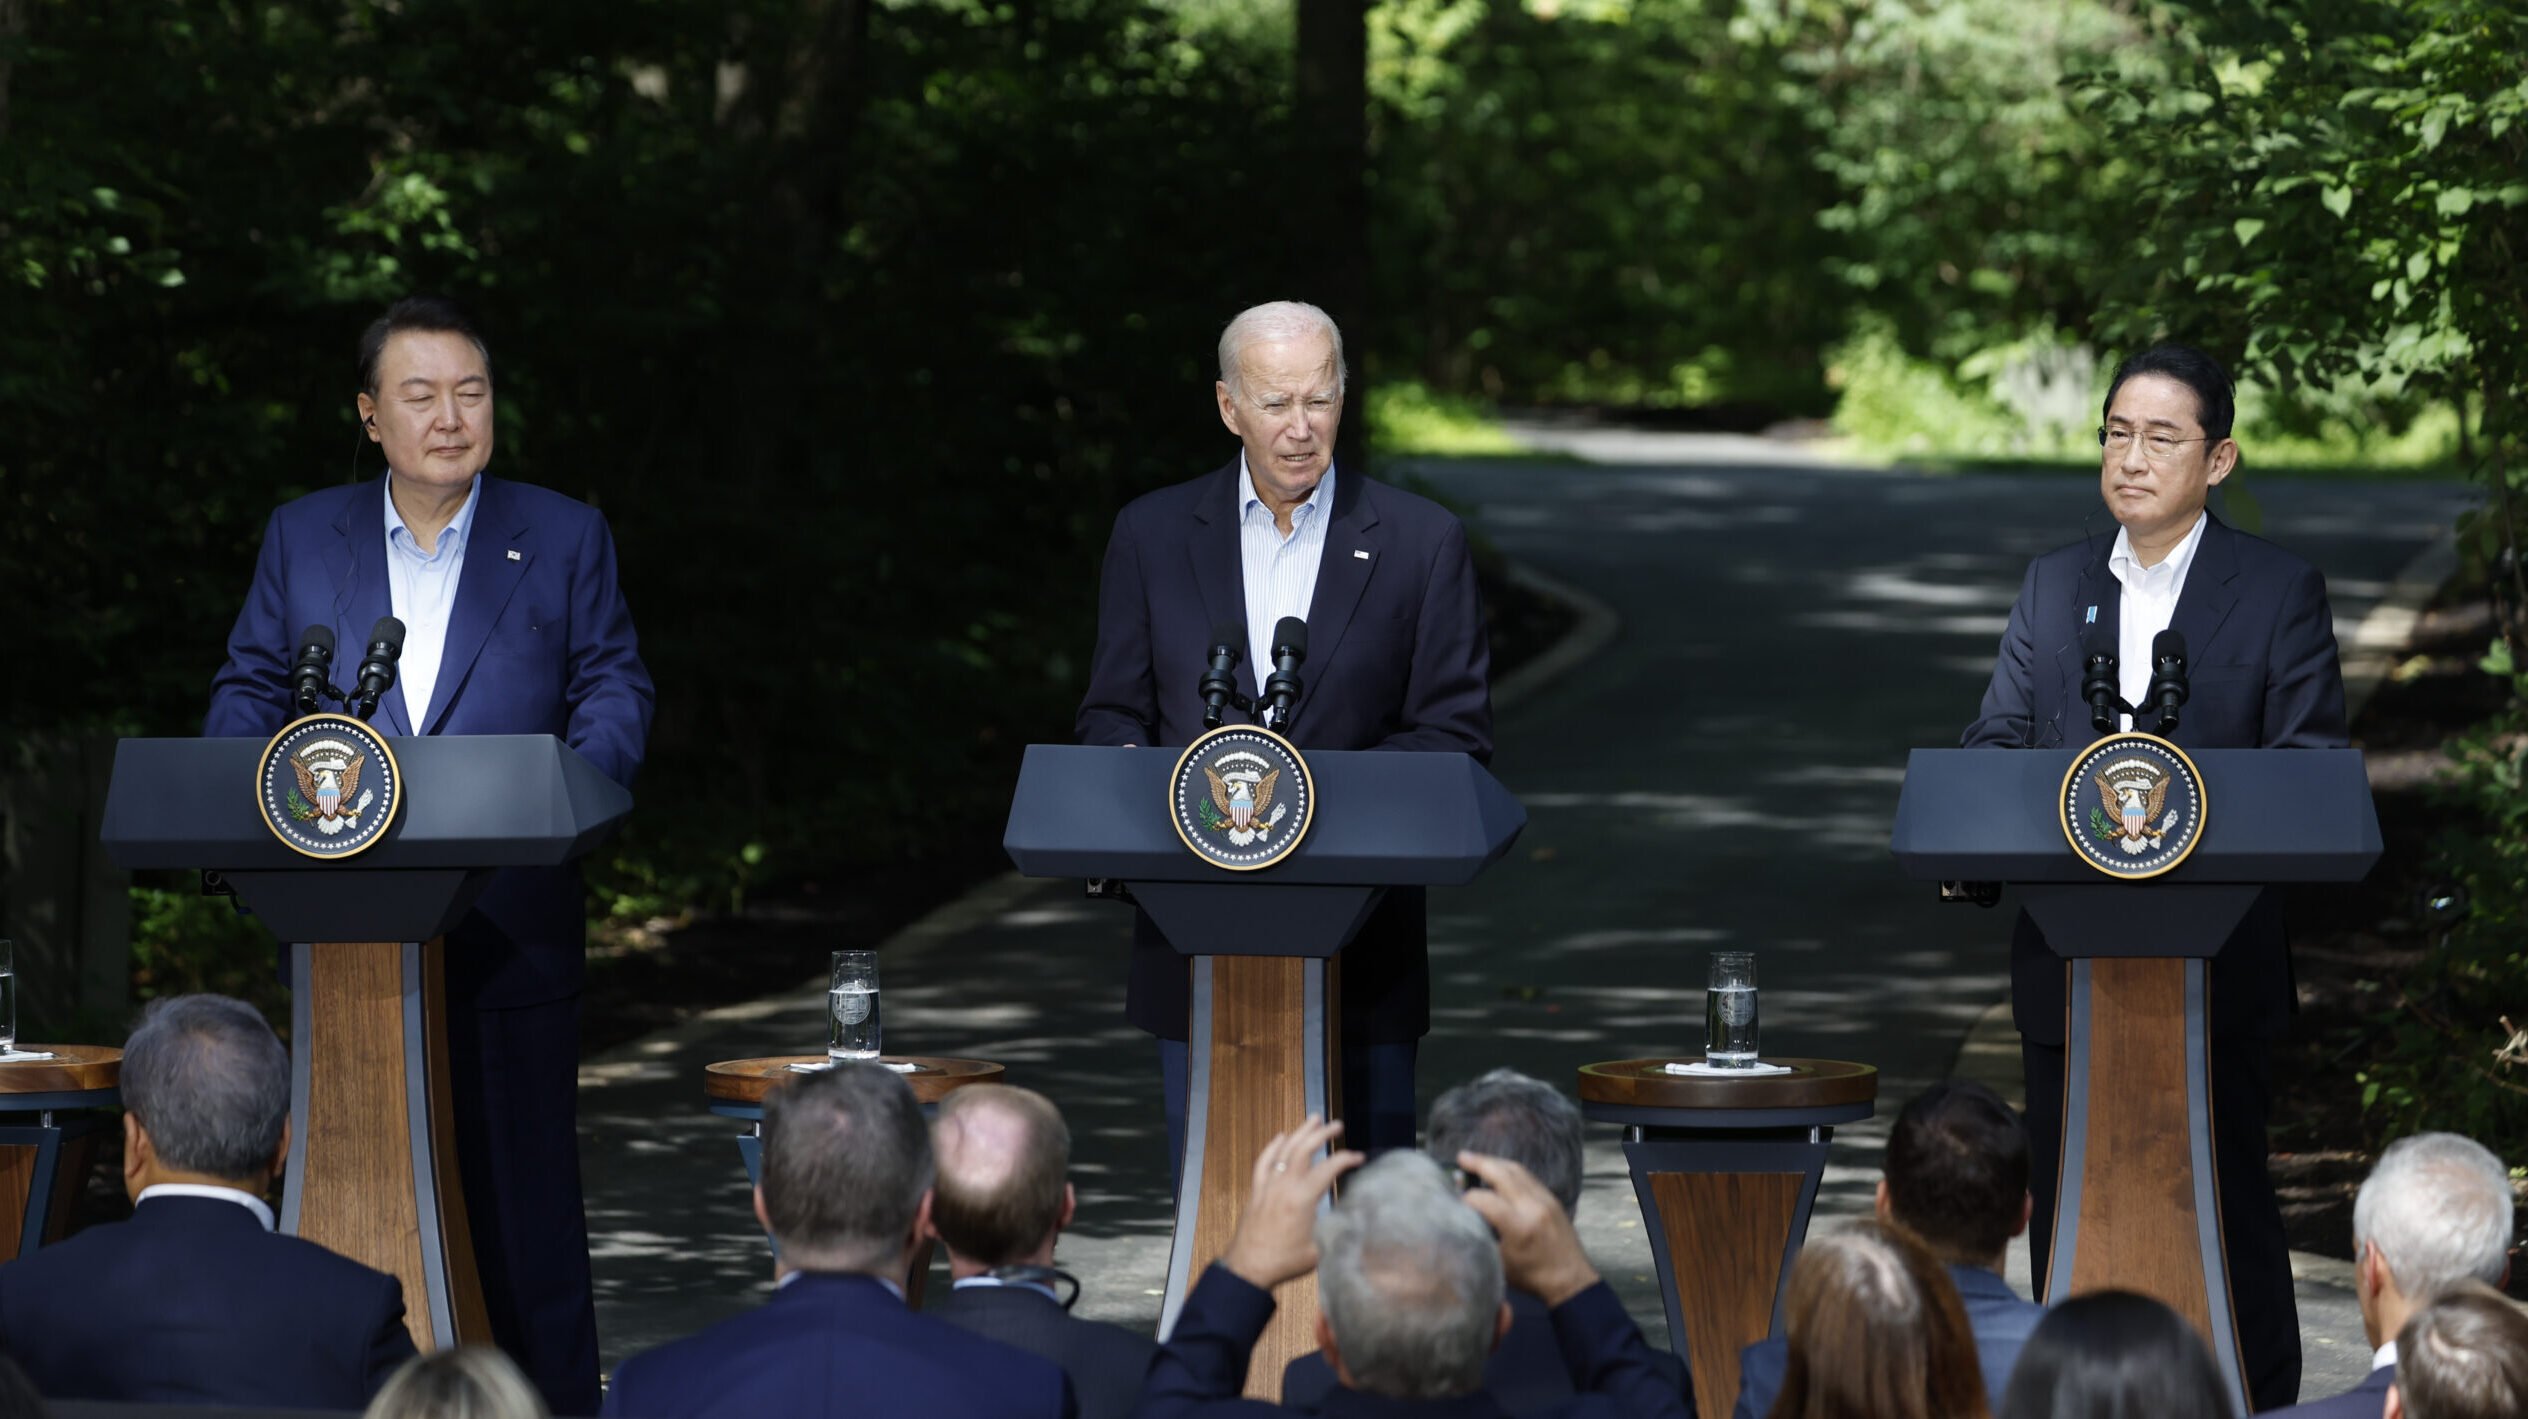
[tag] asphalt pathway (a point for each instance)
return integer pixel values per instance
(1716, 771)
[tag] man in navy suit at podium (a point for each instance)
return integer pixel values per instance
(2261, 657)
(513, 625)
(194, 1300)
(1397, 659)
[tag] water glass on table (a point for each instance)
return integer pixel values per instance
(852, 1008)
(1729, 1011)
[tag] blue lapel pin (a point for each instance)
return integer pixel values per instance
(2093, 617)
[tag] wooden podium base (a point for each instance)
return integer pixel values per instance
(1251, 1076)
(2136, 1205)
(372, 1169)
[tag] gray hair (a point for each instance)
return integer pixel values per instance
(2438, 1206)
(1410, 1278)
(1277, 320)
(846, 1160)
(1509, 1115)
(468, 1382)
(209, 1080)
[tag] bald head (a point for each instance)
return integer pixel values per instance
(1004, 1158)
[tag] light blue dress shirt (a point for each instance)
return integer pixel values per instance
(421, 587)
(1281, 572)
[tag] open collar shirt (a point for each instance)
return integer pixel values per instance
(2150, 603)
(1280, 571)
(422, 589)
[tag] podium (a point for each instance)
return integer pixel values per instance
(1263, 1040)
(2135, 1205)
(372, 1166)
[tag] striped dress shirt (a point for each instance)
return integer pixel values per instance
(1281, 572)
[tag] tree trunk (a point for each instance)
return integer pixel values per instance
(12, 29)
(1332, 241)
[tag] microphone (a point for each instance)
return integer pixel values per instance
(2168, 677)
(1290, 647)
(309, 679)
(2098, 678)
(377, 668)
(1220, 682)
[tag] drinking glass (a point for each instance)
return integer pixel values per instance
(852, 1007)
(8, 996)
(1729, 1011)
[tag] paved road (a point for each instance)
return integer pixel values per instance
(1720, 774)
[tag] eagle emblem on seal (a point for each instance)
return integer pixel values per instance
(328, 774)
(2135, 816)
(1241, 806)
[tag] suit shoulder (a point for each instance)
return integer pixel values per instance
(2265, 558)
(325, 504)
(1174, 500)
(541, 504)
(1410, 508)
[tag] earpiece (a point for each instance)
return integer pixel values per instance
(369, 422)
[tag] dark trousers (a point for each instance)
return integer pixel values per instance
(1377, 1097)
(2251, 1217)
(515, 1076)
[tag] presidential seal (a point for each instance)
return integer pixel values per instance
(2133, 805)
(1241, 797)
(328, 786)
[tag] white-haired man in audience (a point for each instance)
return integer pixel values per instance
(2434, 1213)
(1504, 1114)
(846, 1194)
(2464, 1356)
(1001, 1202)
(195, 1299)
(1410, 1277)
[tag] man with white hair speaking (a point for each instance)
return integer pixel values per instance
(2436, 1211)
(1411, 1281)
(1397, 659)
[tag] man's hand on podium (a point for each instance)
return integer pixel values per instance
(1275, 1240)
(1540, 1250)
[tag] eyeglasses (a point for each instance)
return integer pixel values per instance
(2158, 448)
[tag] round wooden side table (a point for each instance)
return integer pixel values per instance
(38, 1148)
(1726, 1172)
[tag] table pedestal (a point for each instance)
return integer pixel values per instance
(1726, 1172)
(44, 1157)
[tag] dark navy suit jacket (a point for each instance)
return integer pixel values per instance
(1525, 1374)
(1105, 1362)
(1398, 658)
(2363, 1401)
(831, 1346)
(193, 1302)
(1202, 1367)
(539, 642)
(2260, 647)
(2000, 1321)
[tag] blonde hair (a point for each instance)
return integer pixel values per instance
(468, 1382)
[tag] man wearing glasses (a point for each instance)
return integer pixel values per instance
(2261, 655)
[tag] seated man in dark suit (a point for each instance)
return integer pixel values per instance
(2434, 1213)
(1957, 1177)
(846, 1195)
(1504, 1114)
(1411, 1280)
(195, 1300)
(1002, 1200)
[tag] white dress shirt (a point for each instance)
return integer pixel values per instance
(2150, 602)
(247, 1200)
(421, 589)
(1281, 572)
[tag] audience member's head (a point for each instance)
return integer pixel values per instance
(846, 1171)
(206, 1096)
(468, 1382)
(1410, 1283)
(2435, 1211)
(1957, 1173)
(2463, 1356)
(1003, 1193)
(1506, 1114)
(2115, 1355)
(1876, 1332)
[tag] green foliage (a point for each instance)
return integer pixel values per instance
(184, 943)
(1407, 419)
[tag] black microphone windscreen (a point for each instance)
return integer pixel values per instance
(1230, 634)
(317, 637)
(2098, 643)
(1290, 634)
(2168, 645)
(388, 632)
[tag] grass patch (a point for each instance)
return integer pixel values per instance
(1407, 419)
